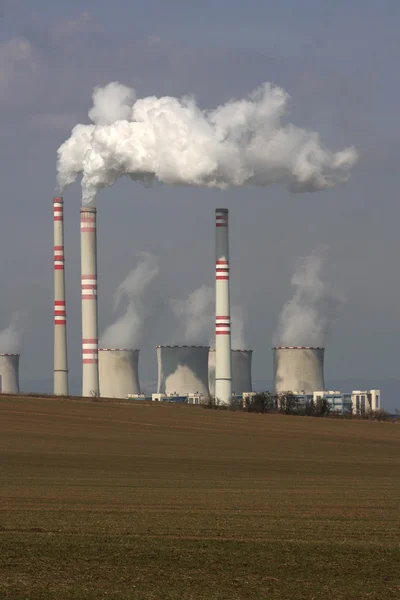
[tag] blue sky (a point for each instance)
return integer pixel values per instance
(338, 60)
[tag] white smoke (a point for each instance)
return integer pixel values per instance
(197, 314)
(172, 140)
(11, 337)
(307, 316)
(237, 328)
(111, 103)
(127, 330)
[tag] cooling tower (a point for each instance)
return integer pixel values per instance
(90, 370)
(182, 370)
(60, 385)
(241, 371)
(223, 366)
(118, 372)
(298, 369)
(9, 373)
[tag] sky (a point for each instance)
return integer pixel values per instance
(338, 62)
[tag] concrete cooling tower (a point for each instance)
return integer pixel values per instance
(241, 371)
(9, 373)
(298, 369)
(118, 372)
(182, 370)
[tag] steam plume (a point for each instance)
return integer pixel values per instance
(237, 329)
(306, 317)
(197, 313)
(172, 140)
(127, 330)
(11, 337)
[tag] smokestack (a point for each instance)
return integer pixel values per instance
(298, 369)
(241, 371)
(223, 366)
(182, 370)
(90, 368)
(118, 372)
(9, 373)
(60, 316)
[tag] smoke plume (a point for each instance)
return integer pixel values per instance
(127, 330)
(306, 318)
(11, 337)
(197, 314)
(237, 328)
(172, 140)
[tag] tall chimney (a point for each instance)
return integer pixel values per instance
(90, 368)
(60, 384)
(223, 364)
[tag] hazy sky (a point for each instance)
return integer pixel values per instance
(338, 60)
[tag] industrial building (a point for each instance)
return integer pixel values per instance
(241, 371)
(299, 368)
(356, 402)
(185, 373)
(338, 401)
(365, 400)
(182, 370)
(118, 372)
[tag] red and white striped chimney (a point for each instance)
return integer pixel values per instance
(90, 368)
(60, 316)
(223, 365)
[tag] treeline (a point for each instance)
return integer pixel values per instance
(289, 404)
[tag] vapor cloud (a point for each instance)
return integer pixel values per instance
(127, 330)
(11, 337)
(306, 318)
(243, 142)
(196, 315)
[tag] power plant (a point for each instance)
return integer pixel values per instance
(9, 373)
(118, 372)
(223, 363)
(182, 370)
(298, 369)
(241, 371)
(60, 385)
(90, 367)
(191, 372)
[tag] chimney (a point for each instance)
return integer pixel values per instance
(60, 386)
(90, 368)
(223, 364)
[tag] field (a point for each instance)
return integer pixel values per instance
(153, 502)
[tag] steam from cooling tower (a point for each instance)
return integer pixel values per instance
(237, 328)
(127, 330)
(11, 337)
(196, 314)
(243, 142)
(307, 316)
